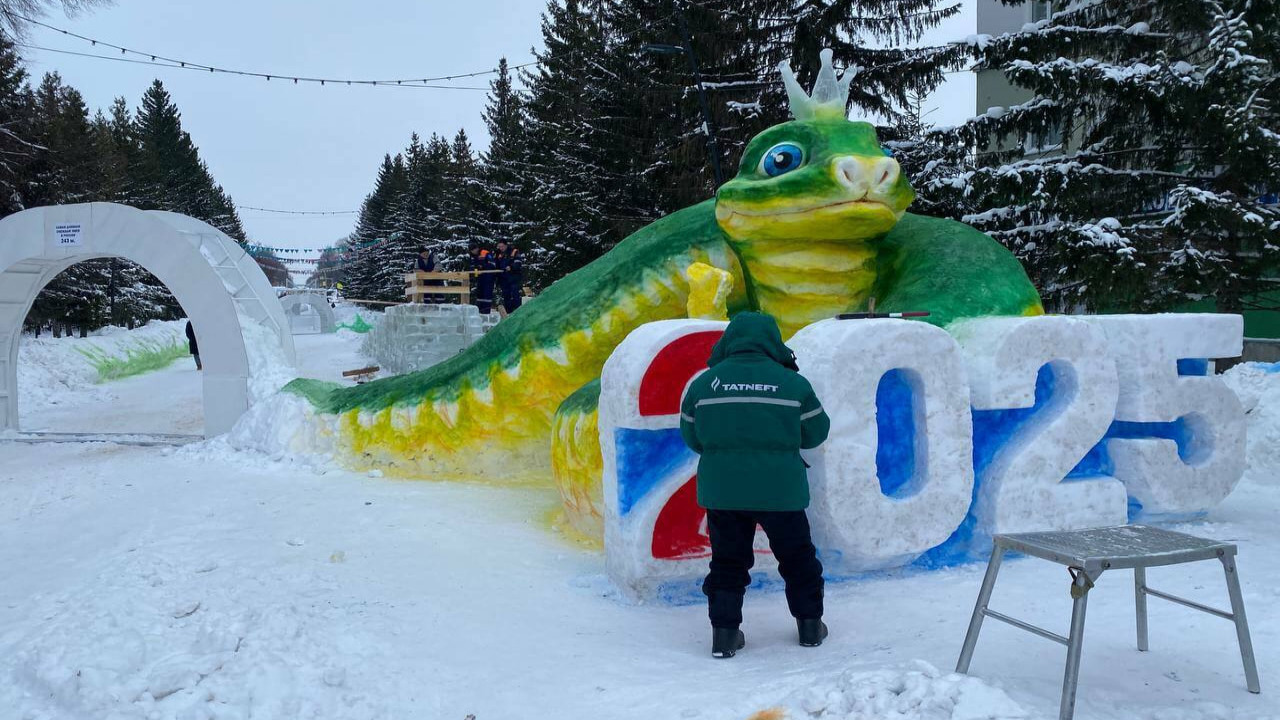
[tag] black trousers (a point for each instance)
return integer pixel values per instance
(732, 532)
(484, 294)
(511, 297)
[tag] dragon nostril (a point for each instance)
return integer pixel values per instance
(883, 177)
(848, 173)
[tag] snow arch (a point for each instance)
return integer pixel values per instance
(215, 281)
(318, 303)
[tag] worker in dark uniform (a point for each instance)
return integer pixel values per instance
(426, 262)
(192, 346)
(482, 260)
(511, 263)
(748, 417)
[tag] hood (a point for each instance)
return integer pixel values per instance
(751, 333)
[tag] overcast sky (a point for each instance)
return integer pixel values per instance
(306, 147)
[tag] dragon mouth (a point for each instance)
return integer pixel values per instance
(861, 202)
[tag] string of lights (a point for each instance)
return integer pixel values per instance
(190, 67)
(298, 212)
(338, 252)
(151, 58)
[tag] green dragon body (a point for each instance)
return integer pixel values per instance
(813, 224)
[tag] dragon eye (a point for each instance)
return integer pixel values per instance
(781, 158)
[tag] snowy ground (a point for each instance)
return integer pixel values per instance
(197, 583)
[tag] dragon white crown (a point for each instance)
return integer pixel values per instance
(830, 96)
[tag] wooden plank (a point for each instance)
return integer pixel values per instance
(373, 302)
(361, 371)
(460, 275)
(419, 275)
(436, 290)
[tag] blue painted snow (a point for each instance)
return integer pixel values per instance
(993, 429)
(1193, 366)
(897, 406)
(644, 458)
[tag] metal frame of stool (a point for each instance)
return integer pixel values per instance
(1084, 574)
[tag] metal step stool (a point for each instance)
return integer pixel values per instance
(1089, 553)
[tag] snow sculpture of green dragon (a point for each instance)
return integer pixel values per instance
(814, 224)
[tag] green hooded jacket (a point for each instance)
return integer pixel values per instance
(748, 417)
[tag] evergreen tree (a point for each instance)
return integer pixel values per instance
(15, 118)
(464, 193)
(64, 170)
(1142, 172)
(374, 231)
(55, 154)
(170, 174)
(568, 172)
(611, 132)
(929, 163)
(500, 204)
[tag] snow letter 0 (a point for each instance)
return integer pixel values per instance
(861, 520)
(1179, 438)
(1053, 386)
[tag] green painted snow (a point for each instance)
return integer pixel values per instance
(950, 270)
(572, 303)
(584, 400)
(141, 356)
(357, 325)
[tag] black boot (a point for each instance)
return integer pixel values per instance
(812, 631)
(726, 641)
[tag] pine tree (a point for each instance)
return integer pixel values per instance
(51, 152)
(500, 205)
(374, 232)
(933, 166)
(15, 119)
(1135, 176)
(461, 205)
(566, 169)
(63, 169)
(170, 174)
(133, 295)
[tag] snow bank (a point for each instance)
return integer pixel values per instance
(916, 692)
(54, 371)
(1258, 387)
(284, 427)
(269, 369)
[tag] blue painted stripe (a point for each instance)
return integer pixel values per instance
(644, 458)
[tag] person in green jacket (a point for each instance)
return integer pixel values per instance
(748, 417)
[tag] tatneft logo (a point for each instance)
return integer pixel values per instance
(716, 385)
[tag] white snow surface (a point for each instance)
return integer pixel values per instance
(1258, 387)
(209, 582)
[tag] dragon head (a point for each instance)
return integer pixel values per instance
(819, 176)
